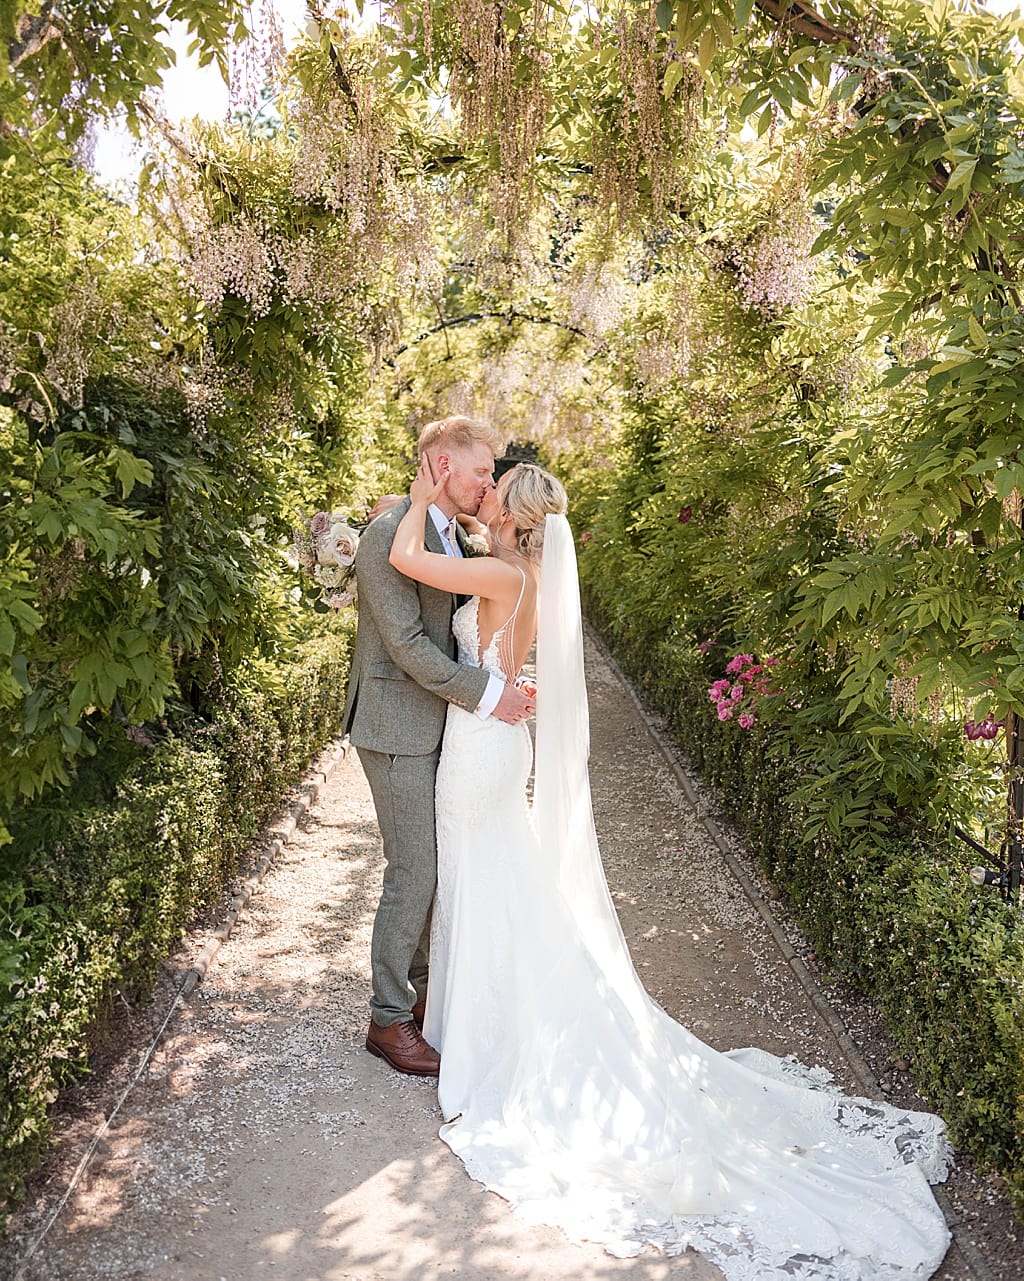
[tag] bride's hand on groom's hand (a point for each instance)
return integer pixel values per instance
(424, 488)
(515, 705)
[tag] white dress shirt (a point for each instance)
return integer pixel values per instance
(495, 685)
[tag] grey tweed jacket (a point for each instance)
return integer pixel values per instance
(403, 669)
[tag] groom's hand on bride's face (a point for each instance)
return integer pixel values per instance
(515, 705)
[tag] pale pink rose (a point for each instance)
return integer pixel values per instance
(320, 524)
(725, 711)
(338, 546)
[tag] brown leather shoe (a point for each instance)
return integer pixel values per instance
(419, 1012)
(404, 1048)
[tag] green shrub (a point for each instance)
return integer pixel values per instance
(101, 883)
(943, 960)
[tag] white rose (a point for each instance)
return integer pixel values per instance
(337, 546)
(329, 575)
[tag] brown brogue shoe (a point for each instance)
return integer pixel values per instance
(419, 1012)
(402, 1046)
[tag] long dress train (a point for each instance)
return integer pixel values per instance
(567, 1090)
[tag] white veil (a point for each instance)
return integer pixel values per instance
(562, 814)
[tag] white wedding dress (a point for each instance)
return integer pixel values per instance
(571, 1093)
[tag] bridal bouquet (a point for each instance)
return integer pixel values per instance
(326, 552)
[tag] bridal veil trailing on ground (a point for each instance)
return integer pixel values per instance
(567, 1090)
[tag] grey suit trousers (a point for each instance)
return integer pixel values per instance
(403, 795)
(403, 676)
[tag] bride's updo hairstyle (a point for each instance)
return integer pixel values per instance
(530, 495)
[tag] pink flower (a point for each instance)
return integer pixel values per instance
(725, 711)
(320, 524)
(737, 692)
(706, 646)
(986, 730)
(738, 663)
(719, 690)
(771, 662)
(685, 513)
(586, 536)
(746, 719)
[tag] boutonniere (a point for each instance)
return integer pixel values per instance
(476, 545)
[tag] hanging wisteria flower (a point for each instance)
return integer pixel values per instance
(326, 552)
(737, 694)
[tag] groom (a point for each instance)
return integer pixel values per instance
(403, 675)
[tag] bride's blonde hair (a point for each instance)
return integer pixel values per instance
(530, 495)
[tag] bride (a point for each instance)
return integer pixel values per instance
(565, 1088)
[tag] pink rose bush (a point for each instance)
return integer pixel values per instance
(745, 683)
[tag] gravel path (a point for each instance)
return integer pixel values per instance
(263, 1141)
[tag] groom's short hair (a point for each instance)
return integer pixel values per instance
(460, 433)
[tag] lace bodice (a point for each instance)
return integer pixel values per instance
(499, 657)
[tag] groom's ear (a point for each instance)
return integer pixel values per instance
(444, 465)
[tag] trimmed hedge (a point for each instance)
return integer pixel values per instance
(104, 880)
(943, 960)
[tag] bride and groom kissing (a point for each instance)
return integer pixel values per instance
(498, 963)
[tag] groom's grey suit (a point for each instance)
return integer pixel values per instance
(403, 676)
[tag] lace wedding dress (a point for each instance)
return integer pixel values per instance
(567, 1090)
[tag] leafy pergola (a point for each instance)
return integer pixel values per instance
(747, 274)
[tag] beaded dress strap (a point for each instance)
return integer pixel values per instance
(506, 636)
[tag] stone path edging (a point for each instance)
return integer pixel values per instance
(858, 1064)
(279, 834)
